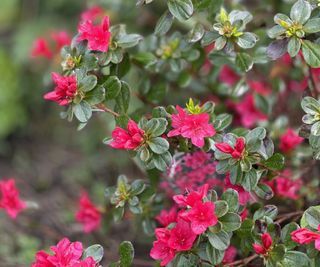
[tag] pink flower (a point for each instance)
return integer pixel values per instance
(130, 139)
(228, 75)
(193, 126)
(289, 140)
(162, 251)
(283, 186)
(236, 152)
(166, 217)
(201, 216)
(248, 114)
(229, 255)
(193, 197)
(182, 236)
(243, 214)
(88, 214)
(65, 90)
(266, 244)
(98, 36)
(306, 236)
(65, 254)
(260, 87)
(244, 196)
(92, 13)
(40, 48)
(10, 198)
(61, 39)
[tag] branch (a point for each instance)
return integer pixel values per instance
(287, 216)
(106, 109)
(241, 263)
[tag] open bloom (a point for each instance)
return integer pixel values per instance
(236, 152)
(40, 48)
(289, 140)
(88, 214)
(166, 217)
(264, 248)
(201, 216)
(92, 13)
(65, 253)
(306, 236)
(65, 89)
(191, 198)
(130, 139)
(98, 36)
(10, 199)
(192, 126)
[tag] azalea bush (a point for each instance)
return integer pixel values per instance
(217, 104)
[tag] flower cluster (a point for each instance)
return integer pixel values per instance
(289, 140)
(236, 152)
(10, 198)
(65, 253)
(305, 236)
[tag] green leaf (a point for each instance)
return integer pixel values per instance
(294, 46)
(244, 62)
(155, 127)
(209, 37)
(250, 180)
(315, 129)
(94, 251)
(247, 40)
(310, 105)
(276, 162)
(137, 187)
(214, 255)
(232, 198)
(277, 253)
(312, 26)
(220, 43)
(264, 191)
(95, 96)
(230, 222)
(113, 87)
(196, 33)
(145, 58)
(123, 98)
(220, 241)
(126, 252)
(221, 208)
(158, 145)
(82, 111)
(164, 23)
(276, 31)
(129, 40)
(262, 103)
(312, 217)
(295, 259)
(301, 11)
(222, 121)
(181, 9)
(163, 161)
(87, 83)
(311, 53)
(286, 235)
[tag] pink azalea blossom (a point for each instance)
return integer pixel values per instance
(92, 13)
(229, 255)
(289, 141)
(64, 91)
(88, 214)
(65, 254)
(193, 197)
(260, 87)
(61, 38)
(192, 126)
(201, 216)
(228, 76)
(166, 217)
(247, 112)
(182, 237)
(40, 48)
(130, 139)
(236, 152)
(306, 236)
(98, 36)
(283, 186)
(10, 198)
(264, 248)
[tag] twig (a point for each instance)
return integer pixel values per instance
(106, 109)
(287, 216)
(242, 262)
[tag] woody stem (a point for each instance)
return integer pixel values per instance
(106, 109)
